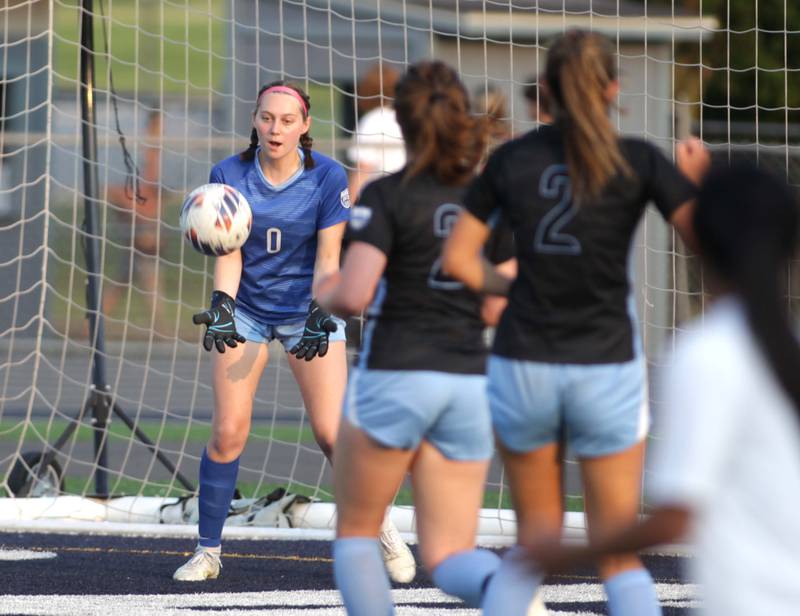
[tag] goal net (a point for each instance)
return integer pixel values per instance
(174, 88)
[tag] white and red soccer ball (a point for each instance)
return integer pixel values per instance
(216, 219)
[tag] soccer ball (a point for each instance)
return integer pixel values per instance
(216, 219)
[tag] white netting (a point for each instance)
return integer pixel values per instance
(186, 73)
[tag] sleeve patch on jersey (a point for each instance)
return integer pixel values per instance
(344, 197)
(359, 217)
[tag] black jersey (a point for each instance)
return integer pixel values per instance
(570, 301)
(420, 319)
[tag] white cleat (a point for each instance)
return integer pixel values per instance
(537, 607)
(397, 556)
(204, 565)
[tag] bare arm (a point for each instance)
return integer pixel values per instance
(681, 219)
(667, 524)
(228, 273)
(351, 291)
(329, 250)
(463, 260)
(693, 160)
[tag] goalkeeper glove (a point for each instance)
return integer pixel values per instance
(220, 327)
(319, 325)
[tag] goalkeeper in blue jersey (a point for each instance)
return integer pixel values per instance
(265, 291)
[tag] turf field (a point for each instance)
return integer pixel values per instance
(87, 575)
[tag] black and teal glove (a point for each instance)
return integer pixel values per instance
(220, 326)
(319, 325)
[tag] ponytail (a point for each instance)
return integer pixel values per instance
(746, 222)
(579, 69)
(306, 142)
(441, 134)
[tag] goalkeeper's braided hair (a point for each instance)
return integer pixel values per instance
(746, 223)
(306, 142)
(441, 134)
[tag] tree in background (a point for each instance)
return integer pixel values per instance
(749, 71)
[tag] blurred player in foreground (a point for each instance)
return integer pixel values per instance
(728, 463)
(416, 401)
(567, 363)
(265, 291)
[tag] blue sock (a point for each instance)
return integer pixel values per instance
(632, 593)
(513, 586)
(217, 485)
(465, 574)
(361, 577)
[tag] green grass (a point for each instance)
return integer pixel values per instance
(157, 47)
(38, 431)
(124, 486)
(184, 275)
(164, 48)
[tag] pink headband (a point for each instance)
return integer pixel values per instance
(285, 90)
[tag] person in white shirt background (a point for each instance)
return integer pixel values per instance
(378, 148)
(727, 470)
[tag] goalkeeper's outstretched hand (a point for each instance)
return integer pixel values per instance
(319, 325)
(220, 326)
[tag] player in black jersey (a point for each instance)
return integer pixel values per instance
(567, 361)
(416, 398)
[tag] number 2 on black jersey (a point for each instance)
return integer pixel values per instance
(555, 184)
(443, 220)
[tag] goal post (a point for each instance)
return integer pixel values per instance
(173, 91)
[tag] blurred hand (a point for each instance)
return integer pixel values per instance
(693, 159)
(551, 555)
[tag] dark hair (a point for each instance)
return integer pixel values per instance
(305, 139)
(536, 95)
(746, 223)
(432, 107)
(376, 87)
(491, 102)
(580, 66)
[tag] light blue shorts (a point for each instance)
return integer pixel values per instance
(288, 334)
(399, 408)
(599, 408)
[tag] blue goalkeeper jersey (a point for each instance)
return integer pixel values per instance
(278, 256)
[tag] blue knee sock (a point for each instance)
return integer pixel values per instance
(632, 593)
(465, 575)
(361, 577)
(513, 586)
(217, 485)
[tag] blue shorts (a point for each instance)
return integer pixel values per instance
(288, 334)
(599, 408)
(399, 408)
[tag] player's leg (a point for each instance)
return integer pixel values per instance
(525, 403)
(322, 382)
(235, 376)
(612, 487)
(607, 415)
(448, 477)
(447, 498)
(534, 480)
(366, 476)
